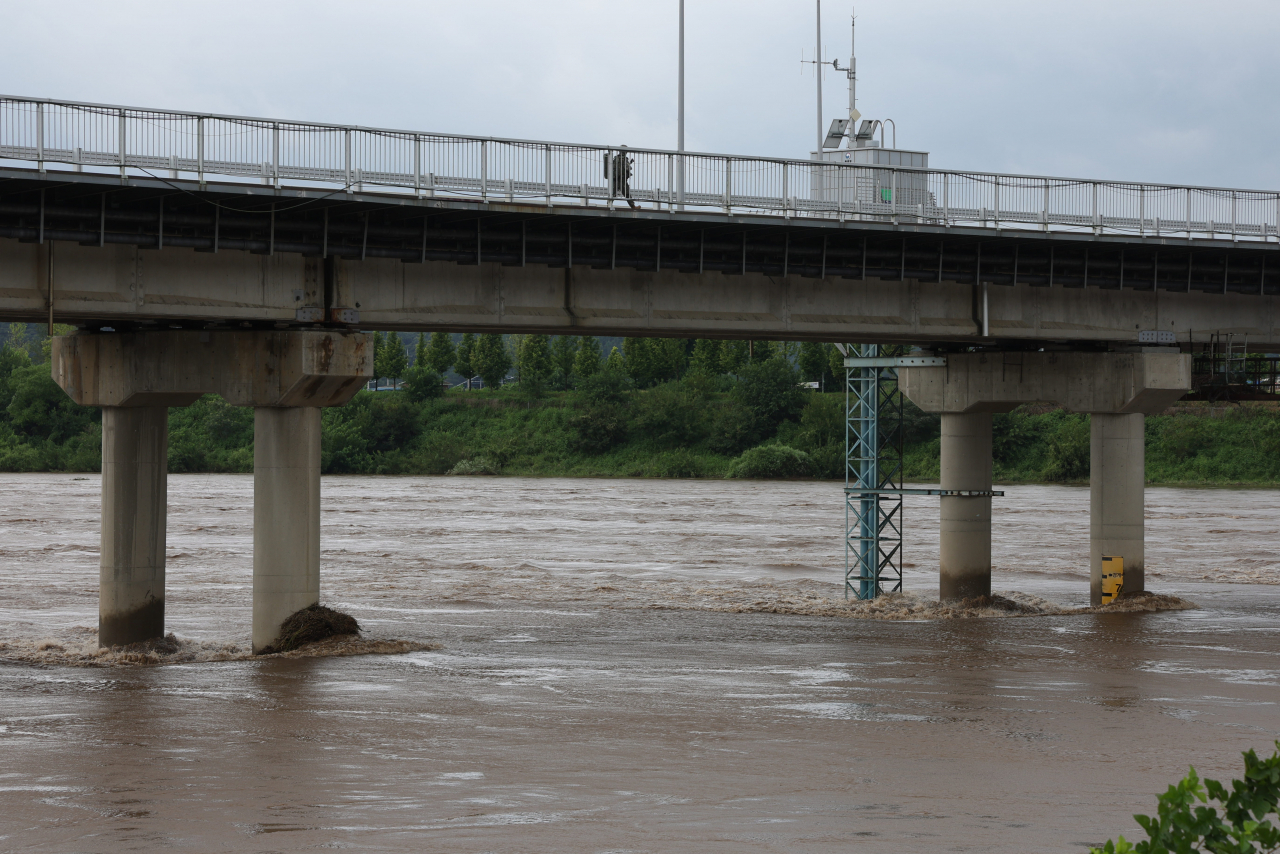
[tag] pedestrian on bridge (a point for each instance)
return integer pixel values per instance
(622, 166)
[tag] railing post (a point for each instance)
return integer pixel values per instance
(946, 199)
(417, 165)
(1142, 210)
(786, 194)
(1097, 224)
(200, 149)
(1233, 215)
(484, 170)
(728, 183)
(346, 146)
(671, 182)
(275, 154)
(548, 173)
(122, 142)
(40, 136)
(893, 194)
(1044, 214)
(997, 203)
(609, 176)
(1189, 214)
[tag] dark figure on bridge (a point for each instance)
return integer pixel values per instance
(622, 165)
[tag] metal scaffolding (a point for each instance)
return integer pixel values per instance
(873, 472)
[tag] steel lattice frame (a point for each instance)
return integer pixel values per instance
(873, 463)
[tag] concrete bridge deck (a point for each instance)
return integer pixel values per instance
(146, 251)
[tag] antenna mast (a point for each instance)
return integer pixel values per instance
(817, 69)
(852, 72)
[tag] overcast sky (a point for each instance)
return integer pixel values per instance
(1155, 90)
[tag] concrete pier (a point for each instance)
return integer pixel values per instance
(286, 516)
(287, 376)
(1117, 477)
(135, 472)
(964, 536)
(1117, 390)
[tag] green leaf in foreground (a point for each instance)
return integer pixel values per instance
(1205, 815)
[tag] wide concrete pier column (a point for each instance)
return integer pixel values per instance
(135, 474)
(964, 535)
(286, 516)
(1117, 480)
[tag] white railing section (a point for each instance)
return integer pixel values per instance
(98, 137)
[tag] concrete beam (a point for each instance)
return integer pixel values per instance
(1080, 382)
(248, 368)
(118, 284)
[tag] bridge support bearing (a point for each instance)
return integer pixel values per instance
(286, 516)
(135, 464)
(964, 536)
(1117, 476)
(1117, 389)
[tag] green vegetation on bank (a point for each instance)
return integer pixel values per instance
(649, 408)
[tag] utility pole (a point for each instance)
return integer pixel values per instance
(680, 120)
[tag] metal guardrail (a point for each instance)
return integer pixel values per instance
(101, 137)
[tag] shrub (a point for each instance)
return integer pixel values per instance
(1068, 450)
(668, 416)
(598, 429)
(732, 430)
(479, 465)
(422, 383)
(677, 463)
(1239, 824)
(771, 461)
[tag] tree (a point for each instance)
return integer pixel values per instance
(394, 358)
(535, 364)
(770, 393)
(835, 362)
(440, 355)
(379, 359)
(491, 360)
(643, 360)
(762, 351)
(563, 350)
(462, 357)
(586, 362)
(615, 363)
(420, 351)
(733, 356)
(671, 357)
(814, 361)
(706, 357)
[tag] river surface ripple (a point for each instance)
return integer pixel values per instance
(565, 712)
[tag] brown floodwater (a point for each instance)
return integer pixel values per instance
(625, 666)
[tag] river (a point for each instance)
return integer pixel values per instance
(624, 665)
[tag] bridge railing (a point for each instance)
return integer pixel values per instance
(99, 137)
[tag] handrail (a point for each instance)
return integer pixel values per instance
(122, 139)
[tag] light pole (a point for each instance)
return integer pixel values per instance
(680, 119)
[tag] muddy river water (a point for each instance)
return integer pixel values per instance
(624, 666)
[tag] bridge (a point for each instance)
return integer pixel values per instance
(199, 253)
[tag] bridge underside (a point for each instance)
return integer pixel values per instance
(168, 252)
